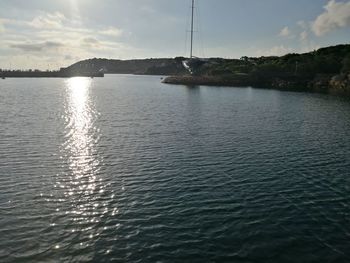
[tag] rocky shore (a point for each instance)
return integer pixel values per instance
(332, 84)
(190, 80)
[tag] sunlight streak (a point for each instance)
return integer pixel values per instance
(80, 142)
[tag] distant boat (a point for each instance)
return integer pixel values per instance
(193, 63)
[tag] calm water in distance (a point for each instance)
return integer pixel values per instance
(127, 169)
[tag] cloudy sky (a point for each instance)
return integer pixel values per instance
(54, 33)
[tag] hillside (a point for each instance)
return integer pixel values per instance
(323, 70)
(158, 66)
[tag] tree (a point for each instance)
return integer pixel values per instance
(346, 64)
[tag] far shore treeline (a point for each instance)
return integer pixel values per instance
(324, 70)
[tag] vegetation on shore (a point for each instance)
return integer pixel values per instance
(323, 70)
(151, 66)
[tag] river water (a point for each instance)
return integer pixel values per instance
(127, 169)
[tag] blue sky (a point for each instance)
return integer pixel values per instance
(54, 33)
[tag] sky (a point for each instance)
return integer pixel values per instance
(48, 34)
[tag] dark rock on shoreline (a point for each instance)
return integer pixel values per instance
(340, 84)
(208, 80)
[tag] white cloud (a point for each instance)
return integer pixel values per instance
(302, 24)
(2, 28)
(285, 32)
(274, 51)
(303, 35)
(89, 42)
(336, 15)
(13, 22)
(112, 31)
(60, 40)
(52, 32)
(48, 21)
(37, 47)
(43, 21)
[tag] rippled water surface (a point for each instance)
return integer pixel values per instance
(127, 169)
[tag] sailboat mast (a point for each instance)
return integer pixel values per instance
(191, 54)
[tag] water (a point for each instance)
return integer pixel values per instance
(127, 169)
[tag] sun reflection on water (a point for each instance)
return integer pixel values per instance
(81, 186)
(80, 143)
(82, 193)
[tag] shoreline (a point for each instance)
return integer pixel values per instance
(48, 74)
(205, 80)
(336, 85)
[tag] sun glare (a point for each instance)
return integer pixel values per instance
(80, 119)
(74, 7)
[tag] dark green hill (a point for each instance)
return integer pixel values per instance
(330, 60)
(158, 66)
(325, 70)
